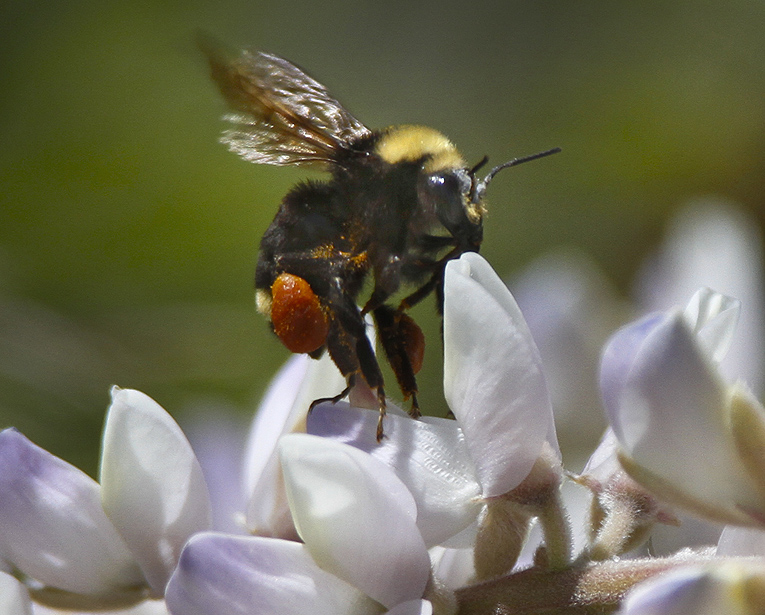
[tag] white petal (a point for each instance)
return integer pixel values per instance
(282, 410)
(14, 598)
(356, 517)
(52, 526)
(236, 575)
(147, 607)
(429, 456)
(668, 415)
(713, 317)
(412, 607)
(152, 485)
(493, 379)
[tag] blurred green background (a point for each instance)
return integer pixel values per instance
(128, 235)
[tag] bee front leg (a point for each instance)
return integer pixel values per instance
(387, 282)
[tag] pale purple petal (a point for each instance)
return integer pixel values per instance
(300, 381)
(273, 418)
(493, 378)
(52, 526)
(356, 517)
(238, 575)
(619, 355)
(152, 485)
(412, 607)
(694, 590)
(429, 456)
(666, 407)
(14, 598)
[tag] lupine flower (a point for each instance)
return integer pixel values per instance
(361, 518)
(685, 433)
(474, 467)
(361, 547)
(79, 542)
(571, 310)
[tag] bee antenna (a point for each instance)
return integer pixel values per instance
(480, 189)
(480, 164)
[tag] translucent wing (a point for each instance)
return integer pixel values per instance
(283, 116)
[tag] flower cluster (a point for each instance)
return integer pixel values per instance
(472, 515)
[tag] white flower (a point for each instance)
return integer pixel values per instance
(684, 432)
(571, 309)
(119, 538)
(493, 377)
(467, 470)
(495, 387)
(362, 548)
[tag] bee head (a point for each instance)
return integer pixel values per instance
(444, 182)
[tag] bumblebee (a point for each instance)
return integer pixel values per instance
(399, 204)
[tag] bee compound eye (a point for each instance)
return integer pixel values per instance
(298, 317)
(445, 183)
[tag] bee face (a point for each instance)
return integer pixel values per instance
(400, 203)
(445, 185)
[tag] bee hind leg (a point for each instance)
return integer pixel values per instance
(404, 346)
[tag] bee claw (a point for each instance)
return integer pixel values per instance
(332, 400)
(414, 410)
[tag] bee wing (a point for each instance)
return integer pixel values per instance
(283, 116)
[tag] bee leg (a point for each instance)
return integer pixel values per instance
(350, 348)
(422, 292)
(370, 369)
(404, 345)
(387, 282)
(339, 397)
(414, 409)
(435, 282)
